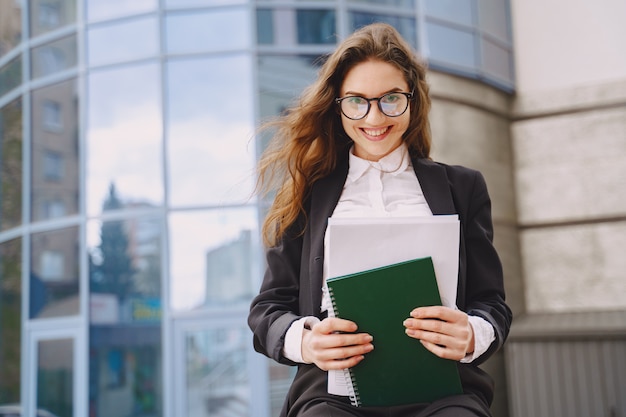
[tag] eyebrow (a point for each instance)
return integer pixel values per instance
(354, 93)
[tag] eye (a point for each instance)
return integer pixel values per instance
(356, 101)
(391, 98)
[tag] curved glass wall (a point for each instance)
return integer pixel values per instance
(129, 233)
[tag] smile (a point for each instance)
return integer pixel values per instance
(376, 132)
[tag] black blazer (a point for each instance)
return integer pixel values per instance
(292, 283)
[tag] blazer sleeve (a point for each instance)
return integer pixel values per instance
(276, 306)
(483, 287)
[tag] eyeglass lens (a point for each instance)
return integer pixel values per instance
(392, 105)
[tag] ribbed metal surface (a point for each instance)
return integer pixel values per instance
(553, 375)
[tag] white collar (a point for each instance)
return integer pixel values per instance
(394, 163)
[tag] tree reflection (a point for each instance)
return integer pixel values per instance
(114, 273)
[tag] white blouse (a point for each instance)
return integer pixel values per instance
(388, 187)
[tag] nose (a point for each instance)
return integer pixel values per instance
(375, 116)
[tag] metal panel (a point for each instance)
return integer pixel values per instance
(575, 372)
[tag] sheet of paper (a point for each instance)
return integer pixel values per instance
(359, 244)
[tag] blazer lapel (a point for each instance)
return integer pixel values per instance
(325, 195)
(434, 182)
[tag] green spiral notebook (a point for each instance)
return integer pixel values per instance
(399, 370)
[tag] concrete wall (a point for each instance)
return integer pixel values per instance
(471, 127)
(569, 144)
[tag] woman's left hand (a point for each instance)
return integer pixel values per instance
(444, 331)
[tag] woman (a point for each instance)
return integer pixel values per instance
(357, 144)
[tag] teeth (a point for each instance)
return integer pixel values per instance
(376, 132)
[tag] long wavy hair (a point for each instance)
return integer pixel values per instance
(308, 139)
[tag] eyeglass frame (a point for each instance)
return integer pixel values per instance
(409, 97)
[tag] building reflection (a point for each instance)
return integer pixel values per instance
(125, 316)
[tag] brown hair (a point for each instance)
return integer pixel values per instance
(309, 138)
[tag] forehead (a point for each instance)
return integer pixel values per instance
(373, 78)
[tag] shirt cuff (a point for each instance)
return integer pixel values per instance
(484, 335)
(292, 349)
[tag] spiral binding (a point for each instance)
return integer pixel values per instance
(353, 391)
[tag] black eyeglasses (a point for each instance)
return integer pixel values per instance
(390, 104)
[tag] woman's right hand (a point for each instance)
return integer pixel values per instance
(332, 344)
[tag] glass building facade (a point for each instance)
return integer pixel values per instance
(129, 232)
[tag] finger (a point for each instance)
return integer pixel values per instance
(340, 363)
(436, 312)
(344, 352)
(332, 325)
(443, 351)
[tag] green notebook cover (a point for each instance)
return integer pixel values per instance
(399, 370)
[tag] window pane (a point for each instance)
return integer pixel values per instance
(210, 130)
(55, 376)
(213, 257)
(403, 3)
(197, 3)
(494, 18)
(205, 31)
(405, 25)
(280, 380)
(281, 79)
(264, 27)
(10, 320)
(55, 164)
(47, 15)
(54, 57)
(110, 9)
(125, 41)
(10, 75)
(497, 61)
(316, 27)
(124, 138)
(217, 377)
(125, 370)
(10, 26)
(11, 165)
(458, 11)
(54, 279)
(451, 46)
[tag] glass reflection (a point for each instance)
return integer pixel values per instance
(55, 166)
(210, 128)
(48, 15)
(55, 376)
(316, 27)
(54, 57)
(497, 60)
(451, 46)
(124, 137)
(11, 165)
(494, 18)
(213, 257)
(125, 376)
(10, 320)
(197, 3)
(10, 25)
(405, 25)
(55, 272)
(110, 9)
(10, 75)
(402, 3)
(280, 79)
(135, 39)
(217, 374)
(451, 10)
(213, 30)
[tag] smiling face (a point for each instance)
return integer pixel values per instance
(376, 135)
